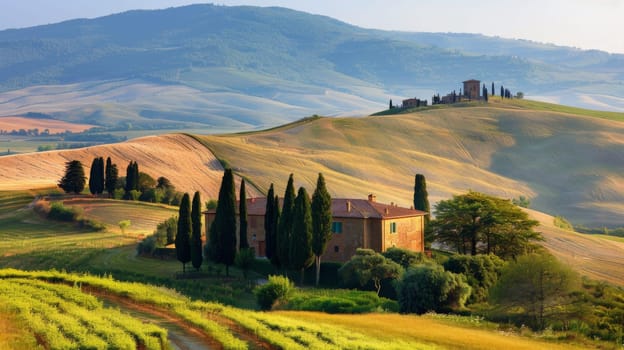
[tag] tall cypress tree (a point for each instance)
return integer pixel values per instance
(182, 240)
(502, 92)
(93, 176)
(274, 229)
(285, 228)
(493, 91)
(269, 240)
(421, 197)
(242, 215)
(112, 175)
(301, 255)
(196, 243)
(100, 176)
(129, 177)
(321, 222)
(222, 243)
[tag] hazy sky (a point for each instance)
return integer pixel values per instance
(588, 24)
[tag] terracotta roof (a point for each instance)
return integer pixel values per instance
(356, 208)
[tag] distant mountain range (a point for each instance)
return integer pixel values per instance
(245, 67)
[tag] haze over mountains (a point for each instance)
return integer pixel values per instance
(245, 67)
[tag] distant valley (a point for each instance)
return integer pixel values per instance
(241, 68)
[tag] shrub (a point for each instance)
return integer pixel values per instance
(481, 272)
(277, 289)
(562, 223)
(119, 193)
(244, 259)
(147, 246)
(340, 301)
(62, 213)
(367, 266)
(428, 287)
(404, 257)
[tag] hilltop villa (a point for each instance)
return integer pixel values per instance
(357, 223)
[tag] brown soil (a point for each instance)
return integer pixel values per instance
(242, 333)
(55, 126)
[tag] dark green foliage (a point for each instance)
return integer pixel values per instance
(404, 257)
(301, 255)
(112, 174)
(74, 179)
(493, 91)
(481, 272)
(96, 176)
(285, 226)
(538, 286)
(321, 221)
(269, 239)
(183, 236)
(242, 215)
(428, 287)
(132, 179)
(368, 266)
(146, 182)
(165, 232)
(277, 214)
(339, 301)
(421, 197)
(278, 288)
(244, 259)
(476, 223)
(164, 183)
(221, 247)
(196, 232)
(211, 204)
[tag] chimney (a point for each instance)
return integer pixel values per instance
(372, 198)
(348, 206)
(387, 211)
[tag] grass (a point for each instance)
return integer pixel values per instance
(428, 329)
(552, 107)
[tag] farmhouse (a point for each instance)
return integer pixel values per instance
(357, 223)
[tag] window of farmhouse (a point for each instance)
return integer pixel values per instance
(393, 227)
(336, 227)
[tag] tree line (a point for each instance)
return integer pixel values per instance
(135, 185)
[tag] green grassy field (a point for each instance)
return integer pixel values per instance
(289, 330)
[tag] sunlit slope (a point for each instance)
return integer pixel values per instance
(567, 164)
(184, 161)
(600, 259)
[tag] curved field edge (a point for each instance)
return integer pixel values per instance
(297, 330)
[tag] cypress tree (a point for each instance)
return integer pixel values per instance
(112, 175)
(301, 255)
(321, 222)
(502, 92)
(274, 229)
(269, 240)
(421, 197)
(196, 243)
(222, 243)
(285, 227)
(182, 240)
(93, 176)
(493, 91)
(242, 215)
(129, 177)
(74, 179)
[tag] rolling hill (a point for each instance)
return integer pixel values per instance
(251, 67)
(567, 164)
